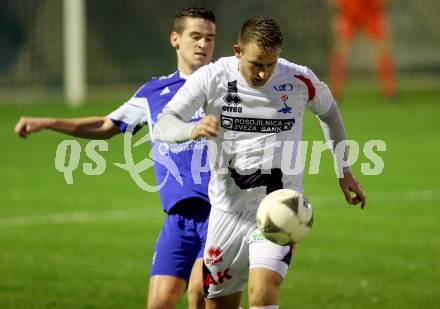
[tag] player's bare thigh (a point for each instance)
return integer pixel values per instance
(264, 286)
(165, 291)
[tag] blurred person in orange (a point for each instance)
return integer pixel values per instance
(370, 16)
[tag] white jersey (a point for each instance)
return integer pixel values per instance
(260, 128)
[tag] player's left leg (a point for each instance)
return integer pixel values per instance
(264, 287)
(385, 67)
(377, 29)
(164, 292)
(176, 250)
(226, 258)
(344, 29)
(269, 263)
(195, 286)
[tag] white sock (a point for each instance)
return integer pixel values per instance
(265, 307)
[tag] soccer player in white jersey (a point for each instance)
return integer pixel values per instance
(254, 104)
(177, 263)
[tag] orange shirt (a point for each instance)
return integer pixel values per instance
(361, 7)
(366, 15)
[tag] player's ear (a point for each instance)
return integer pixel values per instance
(237, 51)
(174, 39)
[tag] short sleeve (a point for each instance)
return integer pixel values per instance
(320, 98)
(132, 114)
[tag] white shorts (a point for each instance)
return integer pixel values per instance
(233, 246)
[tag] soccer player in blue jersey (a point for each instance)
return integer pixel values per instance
(177, 261)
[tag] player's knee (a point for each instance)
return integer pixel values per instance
(196, 290)
(264, 286)
(195, 296)
(162, 305)
(263, 295)
(168, 301)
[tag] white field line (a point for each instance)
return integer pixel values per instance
(423, 196)
(78, 217)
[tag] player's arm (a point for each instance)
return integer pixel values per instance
(327, 111)
(334, 130)
(172, 125)
(170, 128)
(100, 127)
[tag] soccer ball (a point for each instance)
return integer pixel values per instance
(285, 216)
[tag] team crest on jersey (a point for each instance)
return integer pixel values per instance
(232, 99)
(286, 109)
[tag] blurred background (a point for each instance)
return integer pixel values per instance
(89, 244)
(127, 42)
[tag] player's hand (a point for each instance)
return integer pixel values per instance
(207, 126)
(27, 125)
(349, 184)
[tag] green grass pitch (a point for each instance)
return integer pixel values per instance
(89, 244)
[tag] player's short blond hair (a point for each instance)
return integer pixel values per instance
(263, 30)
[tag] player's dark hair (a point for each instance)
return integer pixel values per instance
(192, 12)
(263, 30)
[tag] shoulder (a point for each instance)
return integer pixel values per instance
(302, 75)
(288, 67)
(157, 83)
(224, 64)
(208, 74)
(227, 63)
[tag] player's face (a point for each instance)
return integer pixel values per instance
(255, 63)
(195, 45)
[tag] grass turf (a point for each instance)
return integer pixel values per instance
(89, 244)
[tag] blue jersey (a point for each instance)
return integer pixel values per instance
(188, 159)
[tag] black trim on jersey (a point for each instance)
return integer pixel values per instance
(272, 181)
(257, 125)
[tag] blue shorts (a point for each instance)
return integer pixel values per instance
(182, 239)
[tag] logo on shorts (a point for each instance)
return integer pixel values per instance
(209, 279)
(214, 255)
(257, 236)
